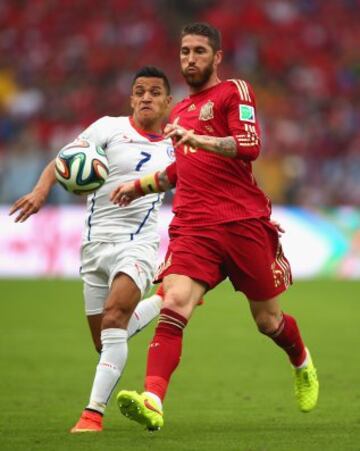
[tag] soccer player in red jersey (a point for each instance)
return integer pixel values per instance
(221, 226)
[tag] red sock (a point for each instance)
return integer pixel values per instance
(289, 339)
(164, 351)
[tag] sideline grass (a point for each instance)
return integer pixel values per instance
(232, 391)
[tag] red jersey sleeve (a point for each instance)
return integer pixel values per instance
(242, 120)
(171, 173)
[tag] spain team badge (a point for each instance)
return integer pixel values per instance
(207, 111)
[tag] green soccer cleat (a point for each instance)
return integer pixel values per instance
(140, 408)
(306, 386)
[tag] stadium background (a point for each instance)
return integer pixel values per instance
(63, 64)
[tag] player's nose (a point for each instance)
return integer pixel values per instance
(191, 58)
(147, 97)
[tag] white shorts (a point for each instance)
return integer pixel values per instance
(101, 262)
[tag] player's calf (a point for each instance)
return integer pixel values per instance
(288, 337)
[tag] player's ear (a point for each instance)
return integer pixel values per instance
(168, 104)
(218, 57)
(169, 100)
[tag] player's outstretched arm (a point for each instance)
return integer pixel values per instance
(225, 146)
(158, 182)
(32, 202)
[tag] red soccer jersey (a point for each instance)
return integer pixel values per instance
(210, 188)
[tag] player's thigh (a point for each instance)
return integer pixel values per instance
(182, 293)
(137, 260)
(94, 276)
(255, 262)
(194, 253)
(124, 295)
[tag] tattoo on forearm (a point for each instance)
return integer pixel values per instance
(223, 146)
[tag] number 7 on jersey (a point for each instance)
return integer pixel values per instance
(146, 158)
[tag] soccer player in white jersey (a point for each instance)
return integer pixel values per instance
(120, 245)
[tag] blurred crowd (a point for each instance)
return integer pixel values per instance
(64, 64)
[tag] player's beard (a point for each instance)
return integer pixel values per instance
(198, 79)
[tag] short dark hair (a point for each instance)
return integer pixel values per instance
(152, 71)
(204, 29)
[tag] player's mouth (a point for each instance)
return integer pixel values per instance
(191, 70)
(146, 108)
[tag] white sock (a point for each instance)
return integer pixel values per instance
(155, 398)
(108, 371)
(145, 312)
(306, 361)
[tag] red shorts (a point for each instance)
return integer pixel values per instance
(248, 252)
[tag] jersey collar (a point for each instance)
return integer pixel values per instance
(150, 136)
(205, 91)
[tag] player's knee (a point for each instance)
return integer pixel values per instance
(267, 323)
(176, 299)
(116, 317)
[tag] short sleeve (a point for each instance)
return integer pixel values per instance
(97, 132)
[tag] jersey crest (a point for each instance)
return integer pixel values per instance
(170, 152)
(207, 111)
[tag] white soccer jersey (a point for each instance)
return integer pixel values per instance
(131, 154)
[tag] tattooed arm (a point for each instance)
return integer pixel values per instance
(244, 144)
(225, 146)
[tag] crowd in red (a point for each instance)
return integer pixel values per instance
(64, 64)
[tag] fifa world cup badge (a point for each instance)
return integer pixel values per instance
(207, 111)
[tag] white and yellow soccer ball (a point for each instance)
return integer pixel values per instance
(81, 167)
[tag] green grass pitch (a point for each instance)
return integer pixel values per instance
(232, 391)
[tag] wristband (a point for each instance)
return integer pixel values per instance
(148, 184)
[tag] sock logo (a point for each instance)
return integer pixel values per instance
(107, 365)
(150, 407)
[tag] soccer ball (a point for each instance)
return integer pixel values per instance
(81, 167)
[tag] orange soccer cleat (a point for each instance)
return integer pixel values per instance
(89, 421)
